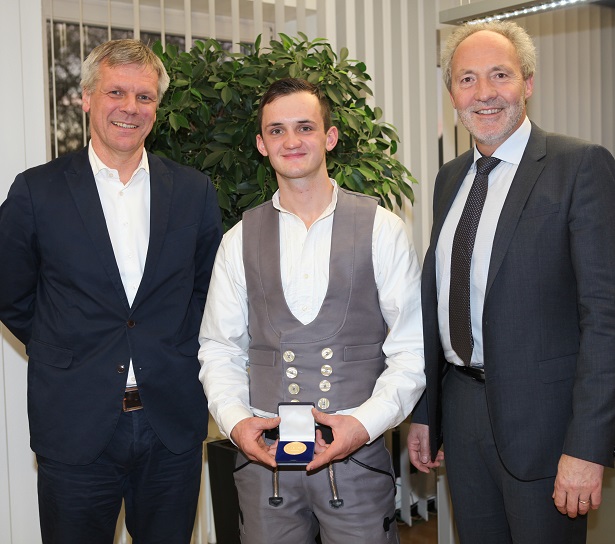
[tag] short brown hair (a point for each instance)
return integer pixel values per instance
(291, 85)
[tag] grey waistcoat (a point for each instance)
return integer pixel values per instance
(335, 360)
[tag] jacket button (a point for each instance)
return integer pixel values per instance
(291, 372)
(288, 356)
(131, 324)
(120, 369)
(326, 370)
(327, 353)
(293, 389)
(323, 403)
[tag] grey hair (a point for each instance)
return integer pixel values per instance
(521, 40)
(118, 53)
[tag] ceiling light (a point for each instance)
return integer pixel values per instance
(490, 10)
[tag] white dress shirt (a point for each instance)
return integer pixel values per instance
(304, 255)
(500, 180)
(127, 211)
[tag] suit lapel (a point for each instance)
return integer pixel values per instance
(161, 191)
(81, 183)
(528, 172)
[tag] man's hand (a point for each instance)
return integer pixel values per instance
(418, 448)
(578, 486)
(248, 436)
(348, 436)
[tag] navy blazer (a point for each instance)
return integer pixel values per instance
(549, 314)
(61, 294)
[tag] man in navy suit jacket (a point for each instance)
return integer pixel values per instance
(527, 413)
(106, 256)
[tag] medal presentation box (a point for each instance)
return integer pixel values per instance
(297, 433)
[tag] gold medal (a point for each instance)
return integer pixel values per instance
(295, 448)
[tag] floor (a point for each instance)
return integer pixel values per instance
(421, 532)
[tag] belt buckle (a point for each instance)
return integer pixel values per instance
(131, 400)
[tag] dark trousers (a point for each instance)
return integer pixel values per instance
(81, 503)
(490, 505)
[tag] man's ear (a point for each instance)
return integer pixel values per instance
(85, 101)
(529, 86)
(332, 137)
(450, 95)
(260, 145)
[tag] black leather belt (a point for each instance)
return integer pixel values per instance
(473, 372)
(132, 400)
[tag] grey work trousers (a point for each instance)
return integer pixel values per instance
(364, 481)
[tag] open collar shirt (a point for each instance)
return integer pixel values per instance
(126, 208)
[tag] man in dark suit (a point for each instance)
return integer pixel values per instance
(518, 297)
(106, 258)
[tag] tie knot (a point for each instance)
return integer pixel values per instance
(484, 165)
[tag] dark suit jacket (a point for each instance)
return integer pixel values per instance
(549, 314)
(61, 294)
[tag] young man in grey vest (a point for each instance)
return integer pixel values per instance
(316, 293)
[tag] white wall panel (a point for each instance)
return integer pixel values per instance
(350, 19)
(235, 26)
(187, 22)
(136, 18)
(23, 143)
(257, 11)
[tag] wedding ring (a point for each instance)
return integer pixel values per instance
(583, 502)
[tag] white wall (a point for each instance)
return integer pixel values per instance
(22, 144)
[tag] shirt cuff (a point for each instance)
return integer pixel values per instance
(375, 425)
(231, 416)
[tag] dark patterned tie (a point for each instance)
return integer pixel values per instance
(460, 322)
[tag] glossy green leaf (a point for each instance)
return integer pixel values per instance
(207, 119)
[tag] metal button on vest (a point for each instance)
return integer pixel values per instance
(323, 403)
(327, 353)
(291, 372)
(120, 369)
(289, 356)
(326, 370)
(324, 385)
(295, 400)
(293, 389)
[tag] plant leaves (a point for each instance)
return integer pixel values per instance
(207, 120)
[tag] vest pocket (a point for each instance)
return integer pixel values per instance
(363, 353)
(261, 357)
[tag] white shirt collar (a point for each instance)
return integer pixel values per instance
(512, 149)
(275, 200)
(98, 166)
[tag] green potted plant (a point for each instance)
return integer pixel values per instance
(207, 119)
